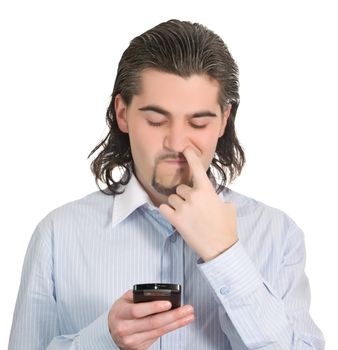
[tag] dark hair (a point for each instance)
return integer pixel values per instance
(181, 48)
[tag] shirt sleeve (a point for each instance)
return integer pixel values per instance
(35, 322)
(255, 314)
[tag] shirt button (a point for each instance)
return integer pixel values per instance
(173, 238)
(224, 290)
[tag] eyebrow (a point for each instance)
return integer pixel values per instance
(157, 109)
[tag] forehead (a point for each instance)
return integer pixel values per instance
(171, 91)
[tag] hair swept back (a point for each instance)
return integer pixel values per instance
(182, 48)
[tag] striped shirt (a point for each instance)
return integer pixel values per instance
(86, 254)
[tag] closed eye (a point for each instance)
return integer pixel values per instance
(158, 124)
(195, 126)
(155, 123)
(199, 122)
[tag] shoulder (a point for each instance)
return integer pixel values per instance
(268, 234)
(81, 213)
(246, 205)
(93, 203)
(250, 210)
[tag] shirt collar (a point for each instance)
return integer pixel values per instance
(133, 197)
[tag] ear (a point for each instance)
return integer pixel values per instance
(225, 117)
(121, 113)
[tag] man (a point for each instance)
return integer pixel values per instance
(168, 217)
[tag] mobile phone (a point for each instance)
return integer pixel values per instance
(158, 291)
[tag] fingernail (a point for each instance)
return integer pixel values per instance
(187, 310)
(165, 305)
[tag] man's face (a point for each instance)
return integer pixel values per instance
(170, 114)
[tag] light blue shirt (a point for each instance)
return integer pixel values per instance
(86, 254)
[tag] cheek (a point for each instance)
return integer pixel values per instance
(207, 144)
(143, 145)
(207, 141)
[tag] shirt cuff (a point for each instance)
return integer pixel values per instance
(97, 336)
(232, 274)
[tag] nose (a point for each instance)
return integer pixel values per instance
(176, 139)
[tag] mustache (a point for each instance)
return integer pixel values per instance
(172, 156)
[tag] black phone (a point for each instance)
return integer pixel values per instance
(157, 291)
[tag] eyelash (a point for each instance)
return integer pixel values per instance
(198, 126)
(154, 124)
(160, 124)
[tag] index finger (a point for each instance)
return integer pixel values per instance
(132, 310)
(197, 169)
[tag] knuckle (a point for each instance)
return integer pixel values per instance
(159, 332)
(180, 189)
(120, 330)
(134, 312)
(130, 343)
(154, 322)
(172, 198)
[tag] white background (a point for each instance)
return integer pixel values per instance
(57, 69)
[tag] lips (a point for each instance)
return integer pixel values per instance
(175, 161)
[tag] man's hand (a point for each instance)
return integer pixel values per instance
(206, 223)
(137, 326)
